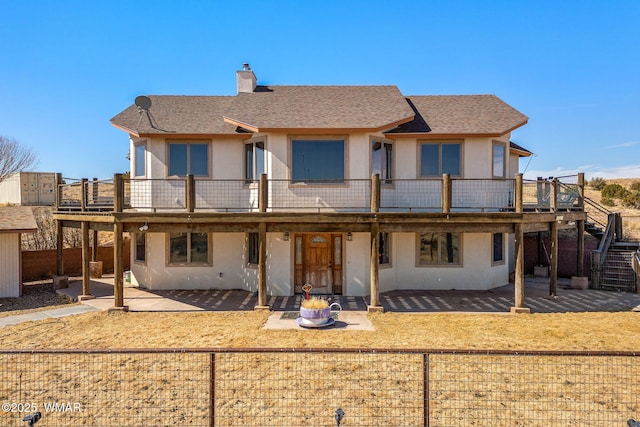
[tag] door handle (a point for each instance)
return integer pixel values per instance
(330, 264)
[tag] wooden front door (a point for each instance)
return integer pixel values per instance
(318, 261)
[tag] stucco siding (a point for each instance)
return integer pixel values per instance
(476, 272)
(10, 281)
(228, 269)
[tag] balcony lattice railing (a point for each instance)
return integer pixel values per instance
(349, 195)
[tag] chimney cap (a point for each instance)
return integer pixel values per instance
(246, 67)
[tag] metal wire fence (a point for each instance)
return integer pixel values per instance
(330, 196)
(308, 387)
(411, 194)
(482, 194)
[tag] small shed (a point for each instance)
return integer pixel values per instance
(14, 220)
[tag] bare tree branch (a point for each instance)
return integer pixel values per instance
(14, 157)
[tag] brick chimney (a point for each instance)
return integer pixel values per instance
(245, 79)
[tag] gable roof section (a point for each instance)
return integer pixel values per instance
(17, 219)
(319, 107)
(484, 115)
(520, 150)
(180, 115)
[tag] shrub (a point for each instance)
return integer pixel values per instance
(607, 201)
(632, 200)
(635, 186)
(614, 191)
(598, 183)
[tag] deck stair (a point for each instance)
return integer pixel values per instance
(615, 264)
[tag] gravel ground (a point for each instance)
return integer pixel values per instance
(35, 296)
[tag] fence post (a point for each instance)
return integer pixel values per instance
(212, 390)
(118, 192)
(446, 193)
(58, 184)
(581, 189)
(375, 192)
(83, 191)
(263, 193)
(425, 389)
(518, 193)
(191, 193)
(553, 195)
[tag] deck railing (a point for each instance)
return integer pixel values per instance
(349, 195)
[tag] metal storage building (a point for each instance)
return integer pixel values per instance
(29, 189)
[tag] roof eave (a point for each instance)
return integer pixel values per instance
(242, 125)
(125, 129)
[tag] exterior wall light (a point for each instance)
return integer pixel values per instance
(349, 236)
(286, 236)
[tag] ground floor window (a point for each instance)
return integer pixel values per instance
(252, 248)
(439, 249)
(188, 248)
(141, 247)
(498, 248)
(384, 250)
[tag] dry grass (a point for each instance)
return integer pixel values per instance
(101, 330)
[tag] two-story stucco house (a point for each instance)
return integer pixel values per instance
(356, 190)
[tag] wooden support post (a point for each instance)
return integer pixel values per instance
(263, 193)
(580, 260)
(374, 278)
(262, 267)
(86, 279)
(59, 248)
(519, 306)
(446, 193)
(553, 268)
(191, 194)
(118, 192)
(375, 193)
(518, 190)
(94, 245)
(118, 269)
(84, 194)
(553, 195)
(581, 184)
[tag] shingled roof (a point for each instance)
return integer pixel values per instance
(322, 108)
(461, 115)
(181, 115)
(17, 219)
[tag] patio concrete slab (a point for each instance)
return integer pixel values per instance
(46, 314)
(345, 320)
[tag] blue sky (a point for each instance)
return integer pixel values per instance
(573, 67)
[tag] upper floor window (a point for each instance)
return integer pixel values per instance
(139, 159)
(253, 160)
(382, 160)
(499, 160)
(439, 158)
(188, 158)
(439, 248)
(317, 160)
